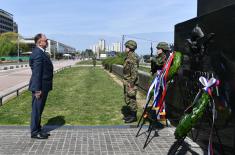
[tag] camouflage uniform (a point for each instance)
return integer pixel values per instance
(160, 59)
(94, 60)
(130, 74)
(130, 81)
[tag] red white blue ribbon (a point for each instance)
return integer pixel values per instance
(159, 82)
(207, 85)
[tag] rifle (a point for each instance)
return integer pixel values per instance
(152, 64)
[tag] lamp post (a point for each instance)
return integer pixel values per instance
(123, 39)
(18, 47)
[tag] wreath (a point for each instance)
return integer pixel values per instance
(200, 103)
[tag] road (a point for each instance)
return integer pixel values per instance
(12, 78)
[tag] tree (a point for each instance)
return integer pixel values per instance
(12, 36)
(8, 44)
(24, 47)
(89, 53)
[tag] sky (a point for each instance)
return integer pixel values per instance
(81, 23)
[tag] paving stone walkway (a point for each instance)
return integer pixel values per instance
(100, 140)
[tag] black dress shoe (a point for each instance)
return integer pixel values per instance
(39, 136)
(45, 134)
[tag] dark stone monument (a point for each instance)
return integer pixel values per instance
(208, 6)
(216, 19)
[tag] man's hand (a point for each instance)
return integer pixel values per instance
(38, 94)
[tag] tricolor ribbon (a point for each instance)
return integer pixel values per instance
(159, 82)
(164, 78)
(155, 87)
(207, 85)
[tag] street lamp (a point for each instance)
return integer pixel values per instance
(123, 39)
(18, 47)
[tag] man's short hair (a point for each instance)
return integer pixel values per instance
(37, 37)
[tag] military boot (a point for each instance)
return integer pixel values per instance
(132, 118)
(127, 116)
(126, 112)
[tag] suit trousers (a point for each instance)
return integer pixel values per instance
(37, 109)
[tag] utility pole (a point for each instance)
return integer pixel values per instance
(123, 39)
(18, 47)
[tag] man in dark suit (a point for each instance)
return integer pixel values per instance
(40, 84)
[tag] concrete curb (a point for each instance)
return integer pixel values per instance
(10, 67)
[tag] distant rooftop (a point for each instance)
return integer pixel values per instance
(5, 12)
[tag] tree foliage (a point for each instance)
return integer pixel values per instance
(88, 53)
(118, 59)
(8, 44)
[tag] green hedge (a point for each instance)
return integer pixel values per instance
(14, 58)
(118, 59)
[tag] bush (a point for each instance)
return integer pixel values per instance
(118, 59)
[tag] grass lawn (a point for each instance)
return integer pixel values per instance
(88, 62)
(81, 96)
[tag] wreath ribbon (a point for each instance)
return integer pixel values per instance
(207, 84)
(207, 87)
(160, 82)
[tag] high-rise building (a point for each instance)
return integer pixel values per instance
(101, 45)
(6, 22)
(15, 27)
(94, 48)
(116, 47)
(109, 48)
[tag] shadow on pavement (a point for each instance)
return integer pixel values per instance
(54, 123)
(155, 127)
(181, 148)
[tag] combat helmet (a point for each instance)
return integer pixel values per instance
(163, 45)
(131, 44)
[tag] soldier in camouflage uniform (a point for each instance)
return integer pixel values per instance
(161, 58)
(130, 81)
(94, 60)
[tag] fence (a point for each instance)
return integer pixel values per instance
(24, 86)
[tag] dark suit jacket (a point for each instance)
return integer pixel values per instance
(42, 71)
